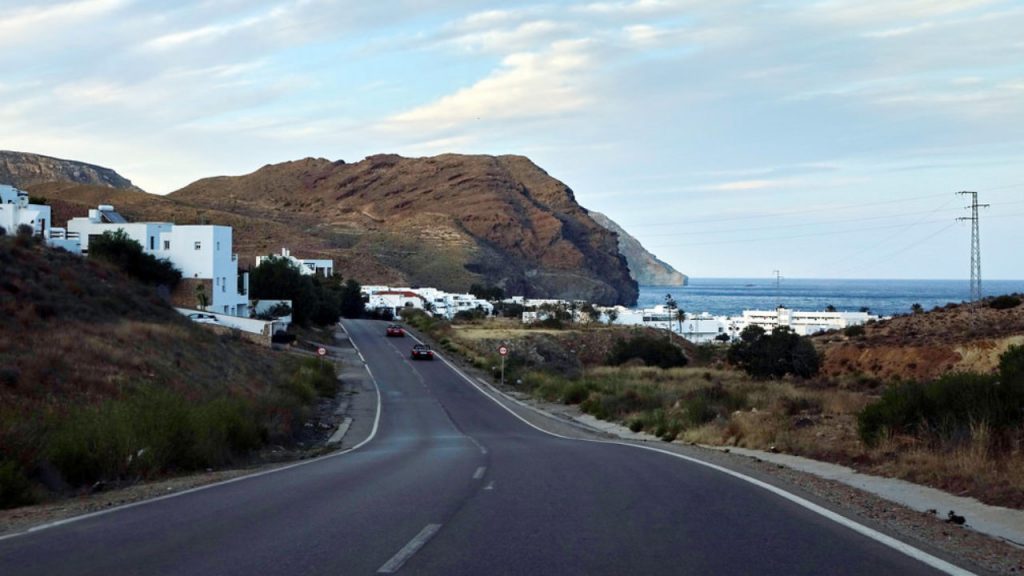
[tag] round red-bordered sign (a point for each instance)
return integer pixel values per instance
(321, 351)
(503, 351)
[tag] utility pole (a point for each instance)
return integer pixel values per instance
(778, 288)
(975, 244)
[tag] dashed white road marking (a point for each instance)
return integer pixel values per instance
(490, 485)
(407, 551)
(479, 473)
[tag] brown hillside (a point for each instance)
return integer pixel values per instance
(968, 337)
(21, 169)
(77, 331)
(446, 221)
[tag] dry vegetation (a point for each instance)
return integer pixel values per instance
(101, 380)
(709, 403)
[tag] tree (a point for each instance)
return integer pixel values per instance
(613, 315)
(671, 304)
(916, 308)
(352, 304)
(321, 301)
(681, 317)
(201, 298)
(653, 351)
(489, 293)
(830, 308)
(774, 355)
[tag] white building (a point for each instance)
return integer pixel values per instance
(15, 211)
(306, 266)
(804, 322)
(199, 252)
(434, 301)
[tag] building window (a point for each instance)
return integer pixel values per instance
(152, 243)
(218, 246)
(167, 244)
(199, 245)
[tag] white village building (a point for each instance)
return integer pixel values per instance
(200, 252)
(15, 211)
(434, 301)
(307, 266)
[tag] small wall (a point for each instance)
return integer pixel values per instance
(184, 295)
(258, 331)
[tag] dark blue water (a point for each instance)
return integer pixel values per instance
(730, 296)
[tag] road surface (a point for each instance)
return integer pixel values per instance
(451, 484)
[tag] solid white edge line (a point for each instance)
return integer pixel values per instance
(479, 472)
(884, 539)
(54, 524)
(407, 551)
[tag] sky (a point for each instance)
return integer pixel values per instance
(822, 139)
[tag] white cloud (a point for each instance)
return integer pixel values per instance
(527, 85)
(17, 25)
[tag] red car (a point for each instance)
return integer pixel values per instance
(395, 330)
(422, 352)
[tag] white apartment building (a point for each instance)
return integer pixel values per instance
(16, 210)
(803, 322)
(307, 266)
(200, 252)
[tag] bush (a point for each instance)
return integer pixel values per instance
(653, 351)
(151, 431)
(1004, 302)
(313, 374)
(854, 331)
(774, 355)
(948, 407)
(15, 488)
(127, 254)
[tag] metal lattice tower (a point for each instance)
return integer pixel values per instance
(975, 244)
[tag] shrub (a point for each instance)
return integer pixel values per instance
(127, 254)
(151, 431)
(1004, 302)
(653, 351)
(949, 406)
(774, 355)
(313, 374)
(15, 488)
(854, 331)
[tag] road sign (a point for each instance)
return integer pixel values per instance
(503, 351)
(321, 351)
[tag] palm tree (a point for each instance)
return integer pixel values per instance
(680, 316)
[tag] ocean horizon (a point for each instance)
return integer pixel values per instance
(885, 297)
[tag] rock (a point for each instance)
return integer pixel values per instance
(954, 518)
(21, 169)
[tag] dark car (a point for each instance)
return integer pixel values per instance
(422, 352)
(395, 330)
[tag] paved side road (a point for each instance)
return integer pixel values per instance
(453, 483)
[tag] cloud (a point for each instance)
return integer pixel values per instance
(527, 85)
(16, 25)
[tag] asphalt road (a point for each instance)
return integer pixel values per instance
(454, 484)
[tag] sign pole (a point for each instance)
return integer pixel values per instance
(503, 351)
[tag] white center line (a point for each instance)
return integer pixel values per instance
(414, 545)
(490, 485)
(479, 473)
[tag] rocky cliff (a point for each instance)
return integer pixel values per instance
(447, 221)
(644, 267)
(21, 170)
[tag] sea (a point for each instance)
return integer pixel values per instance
(731, 296)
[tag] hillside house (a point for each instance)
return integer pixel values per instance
(307, 266)
(16, 210)
(201, 252)
(434, 301)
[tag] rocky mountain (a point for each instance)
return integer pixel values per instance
(644, 267)
(447, 221)
(21, 170)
